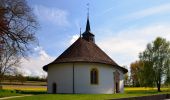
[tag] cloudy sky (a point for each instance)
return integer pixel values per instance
(122, 28)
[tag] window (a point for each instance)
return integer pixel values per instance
(94, 76)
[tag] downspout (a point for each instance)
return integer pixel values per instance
(73, 80)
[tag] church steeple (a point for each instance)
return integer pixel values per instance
(88, 35)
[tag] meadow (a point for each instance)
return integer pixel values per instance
(40, 93)
(16, 88)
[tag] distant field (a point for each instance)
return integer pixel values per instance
(24, 87)
(28, 85)
(128, 89)
(34, 83)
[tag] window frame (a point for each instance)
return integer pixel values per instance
(94, 76)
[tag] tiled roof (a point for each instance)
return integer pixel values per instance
(84, 51)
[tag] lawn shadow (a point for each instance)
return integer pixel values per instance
(142, 92)
(30, 92)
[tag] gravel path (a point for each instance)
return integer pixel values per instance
(4, 98)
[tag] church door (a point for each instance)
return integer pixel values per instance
(54, 87)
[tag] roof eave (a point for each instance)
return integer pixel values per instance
(45, 68)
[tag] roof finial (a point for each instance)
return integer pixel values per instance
(88, 4)
(80, 32)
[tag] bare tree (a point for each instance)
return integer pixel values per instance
(18, 25)
(9, 62)
(17, 33)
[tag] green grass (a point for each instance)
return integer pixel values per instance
(129, 92)
(76, 96)
(5, 93)
(73, 97)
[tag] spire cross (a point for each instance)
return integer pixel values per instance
(88, 9)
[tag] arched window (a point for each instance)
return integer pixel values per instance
(94, 76)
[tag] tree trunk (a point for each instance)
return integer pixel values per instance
(159, 86)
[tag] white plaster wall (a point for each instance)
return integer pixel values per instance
(82, 79)
(121, 82)
(62, 74)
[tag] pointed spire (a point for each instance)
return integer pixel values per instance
(88, 25)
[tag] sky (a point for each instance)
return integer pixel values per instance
(122, 28)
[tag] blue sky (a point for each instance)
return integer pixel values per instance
(122, 28)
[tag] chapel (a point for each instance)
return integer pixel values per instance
(85, 68)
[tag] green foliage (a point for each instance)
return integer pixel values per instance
(167, 82)
(155, 59)
(34, 78)
(126, 80)
(135, 69)
(22, 79)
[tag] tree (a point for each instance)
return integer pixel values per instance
(17, 32)
(135, 69)
(9, 62)
(155, 59)
(167, 81)
(20, 78)
(19, 25)
(126, 81)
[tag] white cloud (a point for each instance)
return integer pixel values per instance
(52, 15)
(33, 65)
(149, 11)
(74, 38)
(125, 46)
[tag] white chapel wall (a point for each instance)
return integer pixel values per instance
(62, 75)
(82, 78)
(121, 84)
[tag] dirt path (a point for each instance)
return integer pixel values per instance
(4, 98)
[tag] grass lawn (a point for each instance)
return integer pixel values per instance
(6, 93)
(16, 90)
(129, 92)
(41, 95)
